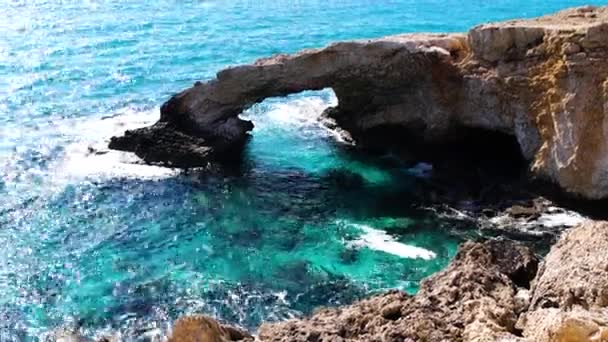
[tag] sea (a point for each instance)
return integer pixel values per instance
(92, 239)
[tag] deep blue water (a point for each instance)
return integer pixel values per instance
(97, 241)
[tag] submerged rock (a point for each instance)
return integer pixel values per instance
(543, 81)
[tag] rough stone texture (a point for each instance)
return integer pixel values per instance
(163, 144)
(204, 329)
(477, 299)
(472, 300)
(544, 81)
(365, 75)
(570, 293)
(575, 325)
(483, 295)
(576, 270)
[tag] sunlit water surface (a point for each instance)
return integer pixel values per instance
(100, 242)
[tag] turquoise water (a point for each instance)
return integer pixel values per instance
(97, 241)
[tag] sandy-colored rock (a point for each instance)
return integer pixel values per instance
(482, 296)
(200, 328)
(362, 73)
(576, 325)
(541, 83)
(473, 299)
(543, 80)
(570, 292)
(575, 272)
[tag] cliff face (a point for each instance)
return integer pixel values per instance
(543, 81)
(491, 291)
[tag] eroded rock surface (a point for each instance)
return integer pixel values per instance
(544, 81)
(474, 298)
(200, 328)
(483, 296)
(569, 299)
(491, 291)
(365, 76)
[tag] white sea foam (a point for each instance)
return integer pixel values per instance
(379, 240)
(89, 156)
(298, 115)
(555, 218)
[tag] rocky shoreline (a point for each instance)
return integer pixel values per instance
(540, 83)
(496, 290)
(492, 291)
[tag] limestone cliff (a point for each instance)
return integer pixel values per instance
(544, 81)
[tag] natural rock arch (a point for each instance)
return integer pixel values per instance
(380, 77)
(544, 81)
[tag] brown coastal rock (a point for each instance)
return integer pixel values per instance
(544, 81)
(477, 298)
(200, 328)
(491, 291)
(570, 293)
(473, 299)
(482, 296)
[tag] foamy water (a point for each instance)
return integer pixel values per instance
(379, 240)
(89, 156)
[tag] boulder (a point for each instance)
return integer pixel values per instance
(199, 328)
(570, 292)
(483, 295)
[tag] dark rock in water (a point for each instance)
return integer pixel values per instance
(349, 255)
(519, 211)
(163, 144)
(94, 151)
(344, 179)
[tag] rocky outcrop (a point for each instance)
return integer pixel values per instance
(364, 76)
(484, 295)
(569, 299)
(200, 328)
(474, 299)
(544, 81)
